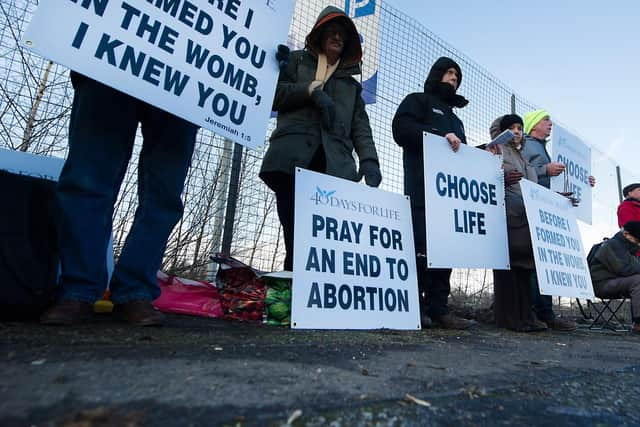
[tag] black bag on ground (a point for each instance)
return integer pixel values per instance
(28, 246)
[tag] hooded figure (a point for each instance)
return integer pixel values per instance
(430, 111)
(321, 116)
(445, 91)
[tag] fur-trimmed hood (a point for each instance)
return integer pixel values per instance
(352, 54)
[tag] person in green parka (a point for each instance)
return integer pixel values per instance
(321, 116)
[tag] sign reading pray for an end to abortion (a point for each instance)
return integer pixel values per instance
(354, 263)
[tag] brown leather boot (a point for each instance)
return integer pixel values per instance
(537, 324)
(450, 321)
(635, 328)
(560, 324)
(139, 312)
(67, 312)
(425, 321)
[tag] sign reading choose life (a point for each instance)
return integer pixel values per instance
(210, 62)
(576, 156)
(354, 264)
(465, 210)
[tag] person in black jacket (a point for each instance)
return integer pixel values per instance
(615, 269)
(430, 111)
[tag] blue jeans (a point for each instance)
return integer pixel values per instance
(542, 304)
(102, 131)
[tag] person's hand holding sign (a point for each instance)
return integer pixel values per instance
(569, 195)
(555, 168)
(496, 150)
(370, 170)
(282, 56)
(512, 177)
(453, 141)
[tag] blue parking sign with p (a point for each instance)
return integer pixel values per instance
(359, 8)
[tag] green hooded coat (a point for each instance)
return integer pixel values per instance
(299, 133)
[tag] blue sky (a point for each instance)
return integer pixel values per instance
(578, 59)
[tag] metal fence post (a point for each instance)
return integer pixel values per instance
(620, 197)
(232, 199)
(219, 208)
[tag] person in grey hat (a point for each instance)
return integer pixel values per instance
(629, 209)
(511, 288)
(615, 269)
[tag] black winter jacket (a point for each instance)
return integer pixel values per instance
(614, 258)
(429, 111)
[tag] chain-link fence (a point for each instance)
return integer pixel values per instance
(35, 99)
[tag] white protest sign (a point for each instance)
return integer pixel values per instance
(561, 265)
(23, 163)
(465, 210)
(211, 63)
(576, 155)
(354, 264)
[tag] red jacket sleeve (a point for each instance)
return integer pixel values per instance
(627, 211)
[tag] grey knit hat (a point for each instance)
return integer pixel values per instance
(629, 188)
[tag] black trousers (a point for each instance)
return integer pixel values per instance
(542, 304)
(434, 284)
(512, 298)
(283, 185)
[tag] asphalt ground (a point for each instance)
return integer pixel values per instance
(208, 372)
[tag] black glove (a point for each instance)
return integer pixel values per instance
(371, 172)
(282, 56)
(326, 106)
(575, 202)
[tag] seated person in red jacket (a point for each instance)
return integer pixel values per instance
(629, 209)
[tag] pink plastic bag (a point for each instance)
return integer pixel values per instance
(184, 296)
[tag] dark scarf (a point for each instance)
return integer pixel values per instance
(447, 93)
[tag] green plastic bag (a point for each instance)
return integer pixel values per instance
(278, 298)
